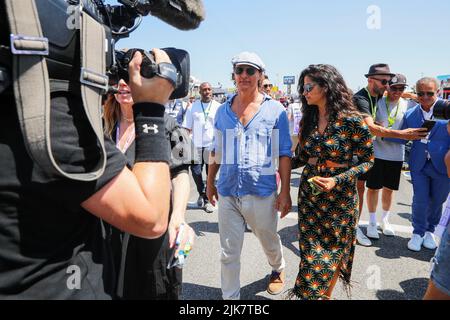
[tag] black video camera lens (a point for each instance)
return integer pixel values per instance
(180, 59)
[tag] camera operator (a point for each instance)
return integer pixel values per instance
(52, 239)
(142, 263)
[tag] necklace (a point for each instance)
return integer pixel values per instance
(127, 119)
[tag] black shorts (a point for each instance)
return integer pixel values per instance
(385, 174)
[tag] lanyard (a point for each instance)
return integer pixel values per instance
(128, 142)
(390, 119)
(373, 108)
(206, 112)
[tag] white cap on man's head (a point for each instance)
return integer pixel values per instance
(248, 58)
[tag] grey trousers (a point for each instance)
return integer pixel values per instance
(261, 215)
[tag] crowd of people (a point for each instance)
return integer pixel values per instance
(346, 143)
(126, 233)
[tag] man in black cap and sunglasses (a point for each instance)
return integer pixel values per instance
(366, 101)
(389, 157)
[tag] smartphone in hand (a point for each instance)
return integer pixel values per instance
(429, 125)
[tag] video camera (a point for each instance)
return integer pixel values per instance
(118, 21)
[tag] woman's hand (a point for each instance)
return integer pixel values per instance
(326, 184)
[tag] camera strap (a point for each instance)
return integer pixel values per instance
(32, 85)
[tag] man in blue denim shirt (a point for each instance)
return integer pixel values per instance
(251, 136)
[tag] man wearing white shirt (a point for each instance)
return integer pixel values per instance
(389, 157)
(199, 121)
(294, 117)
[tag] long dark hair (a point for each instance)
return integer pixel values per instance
(338, 96)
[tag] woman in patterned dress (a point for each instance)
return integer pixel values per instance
(332, 136)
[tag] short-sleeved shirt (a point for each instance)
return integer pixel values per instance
(387, 150)
(51, 248)
(173, 107)
(365, 103)
(200, 120)
(248, 154)
(295, 112)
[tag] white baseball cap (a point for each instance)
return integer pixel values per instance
(248, 58)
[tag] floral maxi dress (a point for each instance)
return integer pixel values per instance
(327, 221)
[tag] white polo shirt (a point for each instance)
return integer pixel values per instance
(200, 120)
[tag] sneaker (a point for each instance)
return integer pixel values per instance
(209, 208)
(276, 282)
(372, 231)
(200, 202)
(387, 228)
(415, 244)
(429, 241)
(362, 239)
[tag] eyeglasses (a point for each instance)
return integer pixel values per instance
(397, 89)
(422, 94)
(382, 81)
(249, 70)
(308, 87)
(267, 86)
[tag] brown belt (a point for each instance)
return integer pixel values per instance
(327, 164)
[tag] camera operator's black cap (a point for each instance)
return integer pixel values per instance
(398, 80)
(380, 69)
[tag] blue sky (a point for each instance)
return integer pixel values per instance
(414, 37)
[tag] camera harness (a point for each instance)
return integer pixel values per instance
(32, 85)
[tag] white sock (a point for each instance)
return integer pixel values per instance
(386, 215)
(373, 218)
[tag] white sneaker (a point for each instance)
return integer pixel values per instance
(429, 241)
(387, 228)
(415, 244)
(209, 208)
(372, 231)
(362, 239)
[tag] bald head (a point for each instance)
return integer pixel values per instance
(206, 92)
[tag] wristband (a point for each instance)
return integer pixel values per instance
(151, 140)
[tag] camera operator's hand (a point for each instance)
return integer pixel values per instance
(156, 89)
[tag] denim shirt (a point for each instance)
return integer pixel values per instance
(249, 154)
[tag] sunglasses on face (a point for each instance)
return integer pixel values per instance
(397, 89)
(382, 81)
(249, 70)
(422, 94)
(267, 86)
(308, 87)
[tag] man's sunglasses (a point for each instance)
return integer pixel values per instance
(397, 89)
(267, 86)
(429, 94)
(308, 87)
(382, 81)
(249, 70)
